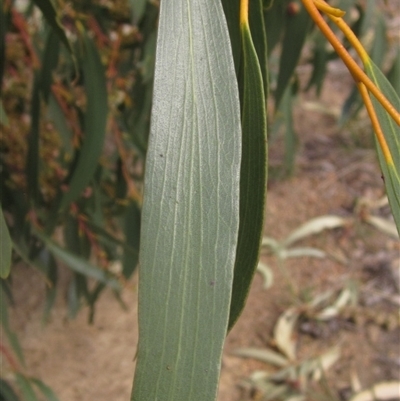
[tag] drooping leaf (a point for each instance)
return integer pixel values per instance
(52, 277)
(394, 73)
(94, 122)
(132, 240)
(291, 140)
(6, 392)
(284, 332)
(314, 226)
(263, 354)
(190, 213)
(3, 30)
(45, 390)
(5, 248)
(259, 38)
(32, 162)
(11, 336)
(231, 10)
(79, 264)
(49, 63)
(296, 29)
(138, 7)
(253, 173)
(56, 115)
(50, 13)
(3, 116)
(391, 131)
(26, 388)
(274, 17)
(382, 391)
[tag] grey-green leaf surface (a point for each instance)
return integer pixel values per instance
(5, 248)
(391, 171)
(94, 122)
(253, 173)
(190, 214)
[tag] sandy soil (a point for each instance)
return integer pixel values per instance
(334, 168)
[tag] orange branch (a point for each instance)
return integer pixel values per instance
(244, 12)
(375, 123)
(358, 74)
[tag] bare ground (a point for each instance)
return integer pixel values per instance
(334, 168)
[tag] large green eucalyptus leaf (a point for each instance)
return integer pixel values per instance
(190, 214)
(94, 122)
(390, 170)
(253, 172)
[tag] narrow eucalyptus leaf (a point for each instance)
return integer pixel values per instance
(190, 213)
(94, 122)
(45, 390)
(253, 174)
(297, 26)
(259, 38)
(11, 336)
(231, 10)
(49, 63)
(132, 240)
(79, 265)
(6, 392)
(3, 116)
(50, 14)
(138, 7)
(26, 388)
(5, 248)
(32, 163)
(390, 168)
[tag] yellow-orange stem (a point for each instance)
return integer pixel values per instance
(352, 38)
(244, 12)
(358, 74)
(329, 10)
(375, 123)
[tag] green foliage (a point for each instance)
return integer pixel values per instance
(391, 170)
(5, 248)
(192, 173)
(253, 167)
(75, 104)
